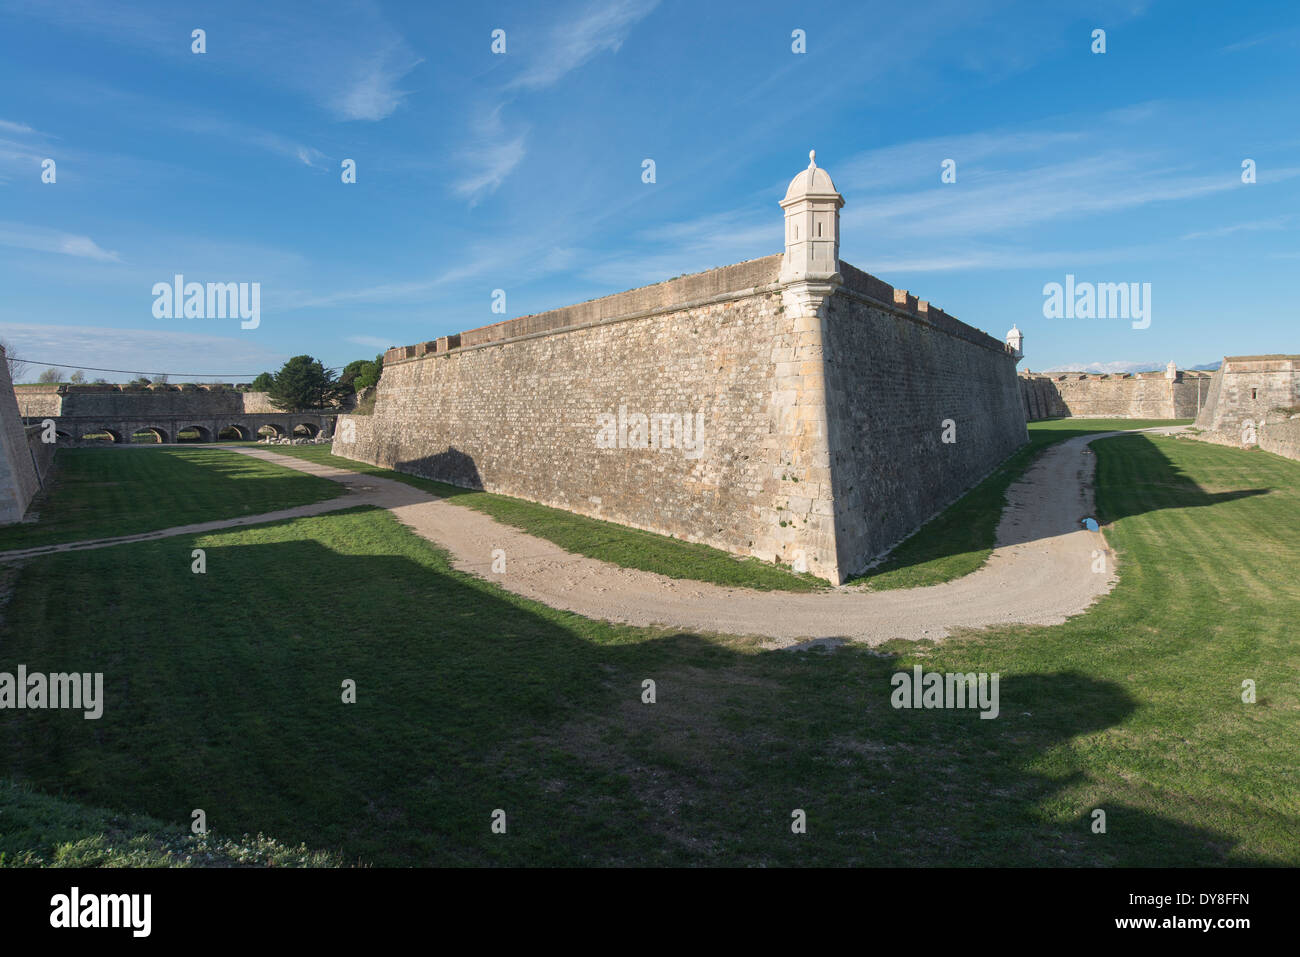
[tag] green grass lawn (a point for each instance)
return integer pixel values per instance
(37, 830)
(953, 544)
(223, 693)
(101, 493)
(617, 544)
(960, 539)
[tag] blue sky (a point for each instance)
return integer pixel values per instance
(522, 171)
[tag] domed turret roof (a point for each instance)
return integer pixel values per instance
(814, 181)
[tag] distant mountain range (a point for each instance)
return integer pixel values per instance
(1111, 368)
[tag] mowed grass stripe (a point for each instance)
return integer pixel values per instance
(471, 699)
(104, 493)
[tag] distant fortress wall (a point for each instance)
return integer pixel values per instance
(1254, 400)
(1250, 387)
(1145, 395)
(165, 410)
(113, 401)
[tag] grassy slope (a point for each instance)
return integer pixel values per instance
(617, 544)
(223, 693)
(41, 831)
(100, 493)
(960, 539)
(953, 544)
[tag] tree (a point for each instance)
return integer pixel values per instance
(77, 377)
(304, 383)
(17, 367)
(262, 383)
(362, 374)
(49, 377)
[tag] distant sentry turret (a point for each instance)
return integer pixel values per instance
(1015, 341)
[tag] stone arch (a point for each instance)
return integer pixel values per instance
(309, 430)
(159, 435)
(271, 428)
(203, 434)
(234, 432)
(96, 435)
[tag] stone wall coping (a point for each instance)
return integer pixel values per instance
(560, 330)
(941, 321)
(857, 285)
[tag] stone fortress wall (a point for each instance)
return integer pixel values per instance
(53, 401)
(897, 370)
(1254, 400)
(1172, 394)
(24, 458)
(1250, 387)
(822, 394)
(121, 410)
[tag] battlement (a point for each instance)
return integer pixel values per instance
(1119, 395)
(66, 388)
(861, 283)
(685, 292)
(1109, 376)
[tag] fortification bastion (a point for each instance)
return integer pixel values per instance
(793, 408)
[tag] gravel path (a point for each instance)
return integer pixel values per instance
(1040, 573)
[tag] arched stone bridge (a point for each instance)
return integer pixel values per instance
(214, 414)
(73, 430)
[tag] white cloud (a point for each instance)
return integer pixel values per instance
(373, 342)
(491, 157)
(44, 240)
(274, 143)
(342, 54)
(601, 27)
(371, 92)
(1278, 223)
(490, 165)
(495, 151)
(181, 354)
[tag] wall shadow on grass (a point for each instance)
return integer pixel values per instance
(970, 525)
(452, 467)
(1152, 482)
(223, 693)
(98, 493)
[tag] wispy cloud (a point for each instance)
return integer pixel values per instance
(492, 156)
(342, 54)
(491, 164)
(504, 262)
(601, 27)
(265, 140)
(370, 92)
(1283, 37)
(44, 240)
(497, 149)
(373, 342)
(7, 127)
(1279, 222)
(160, 350)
